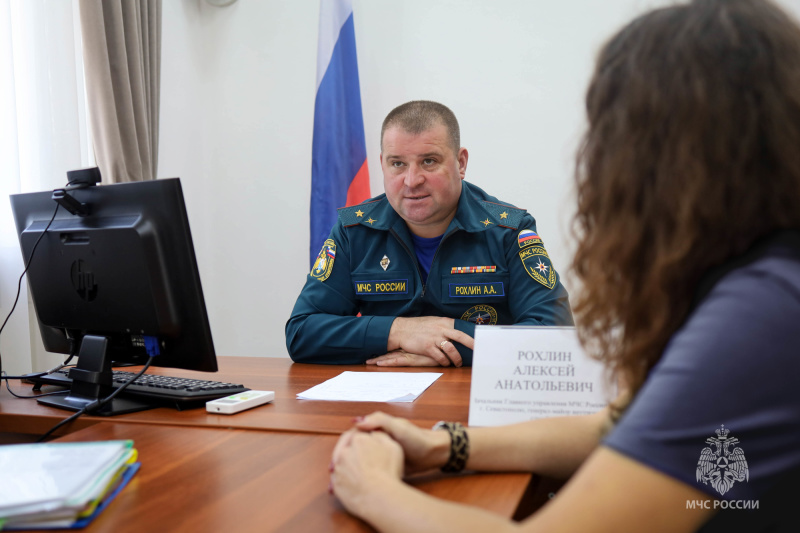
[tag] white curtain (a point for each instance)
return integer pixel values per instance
(122, 61)
(43, 134)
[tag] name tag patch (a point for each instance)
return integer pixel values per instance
(476, 290)
(390, 286)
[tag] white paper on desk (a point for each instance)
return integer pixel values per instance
(372, 387)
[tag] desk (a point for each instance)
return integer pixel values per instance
(264, 469)
(217, 480)
(446, 399)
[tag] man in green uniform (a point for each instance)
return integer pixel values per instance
(404, 277)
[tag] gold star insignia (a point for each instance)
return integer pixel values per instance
(486, 222)
(370, 220)
(359, 213)
(503, 215)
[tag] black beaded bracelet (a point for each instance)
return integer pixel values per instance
(459, 446)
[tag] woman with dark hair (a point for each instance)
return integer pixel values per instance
(688, 189)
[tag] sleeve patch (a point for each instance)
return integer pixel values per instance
(324, 263)
(538, 266)
(528, 237)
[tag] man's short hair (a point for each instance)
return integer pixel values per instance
(420, 115)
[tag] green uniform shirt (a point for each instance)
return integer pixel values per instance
(490, 268)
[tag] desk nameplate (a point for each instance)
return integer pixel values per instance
(527, 372)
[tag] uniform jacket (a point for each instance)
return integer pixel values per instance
(490, 268)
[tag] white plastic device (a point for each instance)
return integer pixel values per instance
(239, 402)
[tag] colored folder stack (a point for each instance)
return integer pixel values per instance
(61, 485)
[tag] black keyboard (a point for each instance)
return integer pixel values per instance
(181, 393)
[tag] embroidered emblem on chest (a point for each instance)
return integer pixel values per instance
(481, 315)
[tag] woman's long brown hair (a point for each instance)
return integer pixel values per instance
(692, 154)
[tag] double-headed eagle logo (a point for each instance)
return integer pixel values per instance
(722, 467)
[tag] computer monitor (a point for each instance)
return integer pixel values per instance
(115, 274)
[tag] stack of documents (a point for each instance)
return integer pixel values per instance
(61, 485)
(372, 387)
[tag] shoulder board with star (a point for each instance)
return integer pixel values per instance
(505, 215)
(355, 214)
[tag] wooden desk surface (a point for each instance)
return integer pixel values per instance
(446, 399)
(213, 480)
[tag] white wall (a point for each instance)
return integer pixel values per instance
(237, 112)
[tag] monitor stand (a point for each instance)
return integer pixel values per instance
(91, 380)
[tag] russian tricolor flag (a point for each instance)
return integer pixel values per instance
(339, 174)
